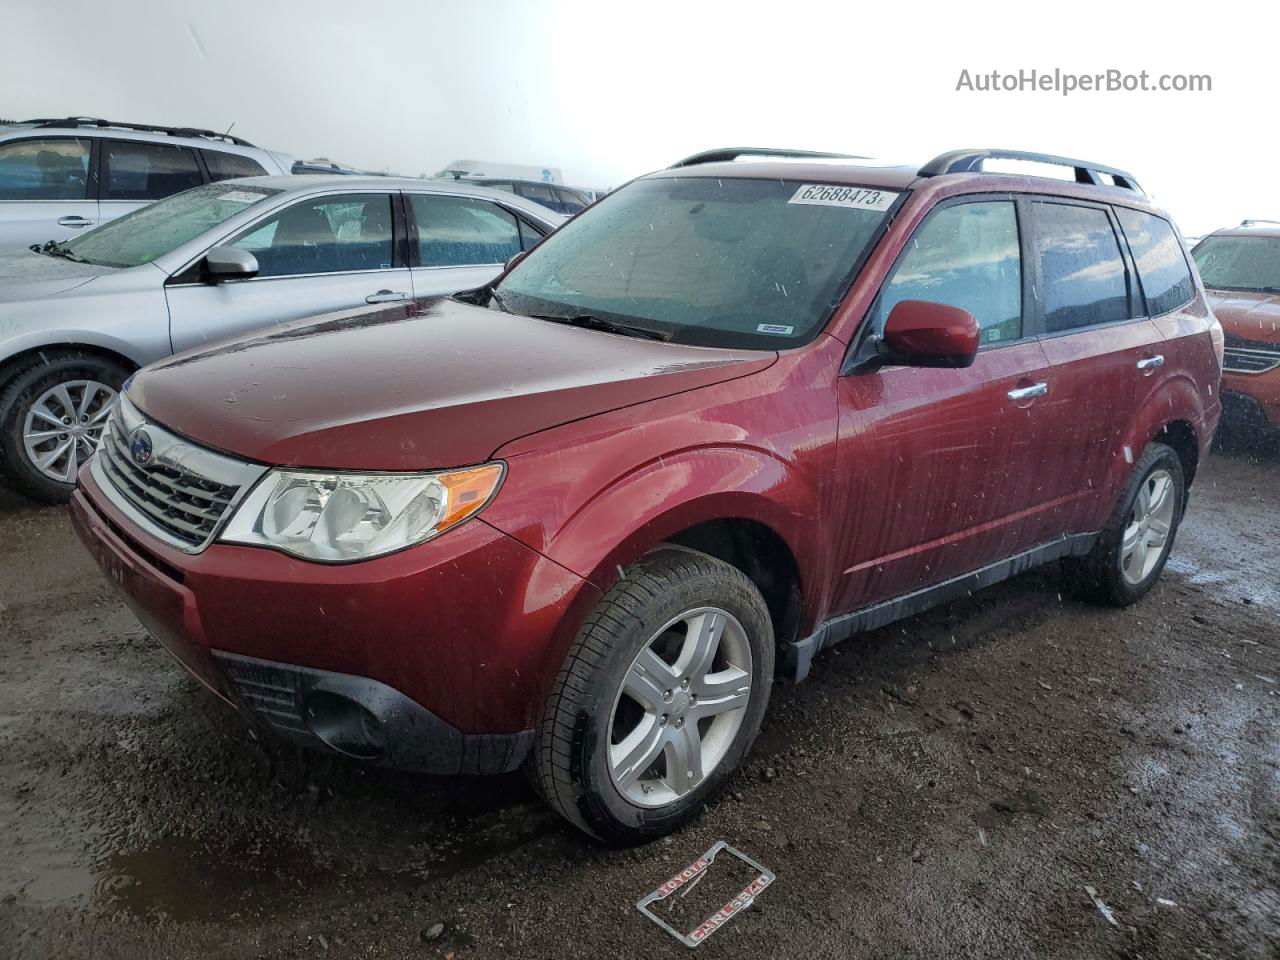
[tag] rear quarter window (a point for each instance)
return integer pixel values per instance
(1162, 266)
(228, 166)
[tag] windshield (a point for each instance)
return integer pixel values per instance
(153, 231)
(1240, 263)
(721, 262)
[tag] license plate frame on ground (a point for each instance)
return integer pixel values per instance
(692, 874)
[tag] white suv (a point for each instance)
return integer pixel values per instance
(60, 177)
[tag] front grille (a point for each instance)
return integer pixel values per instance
(185, 505)
(1257, 358)
(273, 694)
(182, 493)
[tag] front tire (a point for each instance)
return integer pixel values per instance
(52, 412)
(1132, 549)
(659, 699)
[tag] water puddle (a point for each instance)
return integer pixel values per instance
(186, 880)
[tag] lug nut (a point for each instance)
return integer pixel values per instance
(684, 684)
(662, 720)
(666, 696)
(679, 722)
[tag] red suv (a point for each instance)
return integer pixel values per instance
(735, 412)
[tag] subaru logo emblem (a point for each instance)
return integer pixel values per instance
(140, 447)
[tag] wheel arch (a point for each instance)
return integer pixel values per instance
(11, 364)
(1182, 437)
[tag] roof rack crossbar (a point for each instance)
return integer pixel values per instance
(1250, 223)
(721, 154)
(140, 127)
(971, 161)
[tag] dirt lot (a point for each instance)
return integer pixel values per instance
(945, 787)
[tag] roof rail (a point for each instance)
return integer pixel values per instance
(1250, 223)
(140, 127)
(970, 161)
(733, 153)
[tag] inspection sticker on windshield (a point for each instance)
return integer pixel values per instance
(727, 889)
(856, 198)
(242, 196)
(779, 328)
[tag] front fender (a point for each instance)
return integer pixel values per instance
(660, 498)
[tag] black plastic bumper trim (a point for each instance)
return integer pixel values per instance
(414, 737)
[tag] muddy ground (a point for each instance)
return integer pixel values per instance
(946, 787)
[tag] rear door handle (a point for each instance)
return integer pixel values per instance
(74, 222)
(1028, 393)
(386, 296)
(1150, 363)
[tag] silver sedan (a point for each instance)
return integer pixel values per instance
(77, 317)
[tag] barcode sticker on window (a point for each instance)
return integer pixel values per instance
(856, 198)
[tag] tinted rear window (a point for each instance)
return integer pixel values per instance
(1162, 267)
(226, 166)
(147, 171)
(1083, 273)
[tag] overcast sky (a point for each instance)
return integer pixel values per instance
(606, 91)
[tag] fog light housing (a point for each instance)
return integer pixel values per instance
(345, 726)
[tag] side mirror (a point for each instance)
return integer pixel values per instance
(229, 263)
(514, 260)
(919, 333)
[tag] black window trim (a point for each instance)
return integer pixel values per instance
(1137, 306)
(91, 172)
(1187, 261)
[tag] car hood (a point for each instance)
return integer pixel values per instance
(27, 275)
(433, 383)
(1253, 316)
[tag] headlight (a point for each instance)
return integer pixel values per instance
(339, 517)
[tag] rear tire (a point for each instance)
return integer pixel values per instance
(35, 387)
(674, 664)
(1132, 549)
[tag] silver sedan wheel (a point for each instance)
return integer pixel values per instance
(63, 426)
(1146, 535)
(681, 705)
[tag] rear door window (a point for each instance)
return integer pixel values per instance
(539, 194)
(570, 202)
(965, 255)
(227, 166)
(1082, 272)
(1162, 266)
(52, 168)
(463, 231)
(134, 170)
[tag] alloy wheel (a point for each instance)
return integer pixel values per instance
(64, 425)
(680, 707)
(1146, 535)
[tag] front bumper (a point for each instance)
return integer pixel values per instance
(1246, 410)
(443, 654)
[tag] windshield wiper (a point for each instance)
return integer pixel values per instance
(55, 248)
(588, 322)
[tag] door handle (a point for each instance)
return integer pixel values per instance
(386, 296)
(1028, 393)
(74, 222)
(1150, 363)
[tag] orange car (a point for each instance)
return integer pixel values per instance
(1240, 267)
